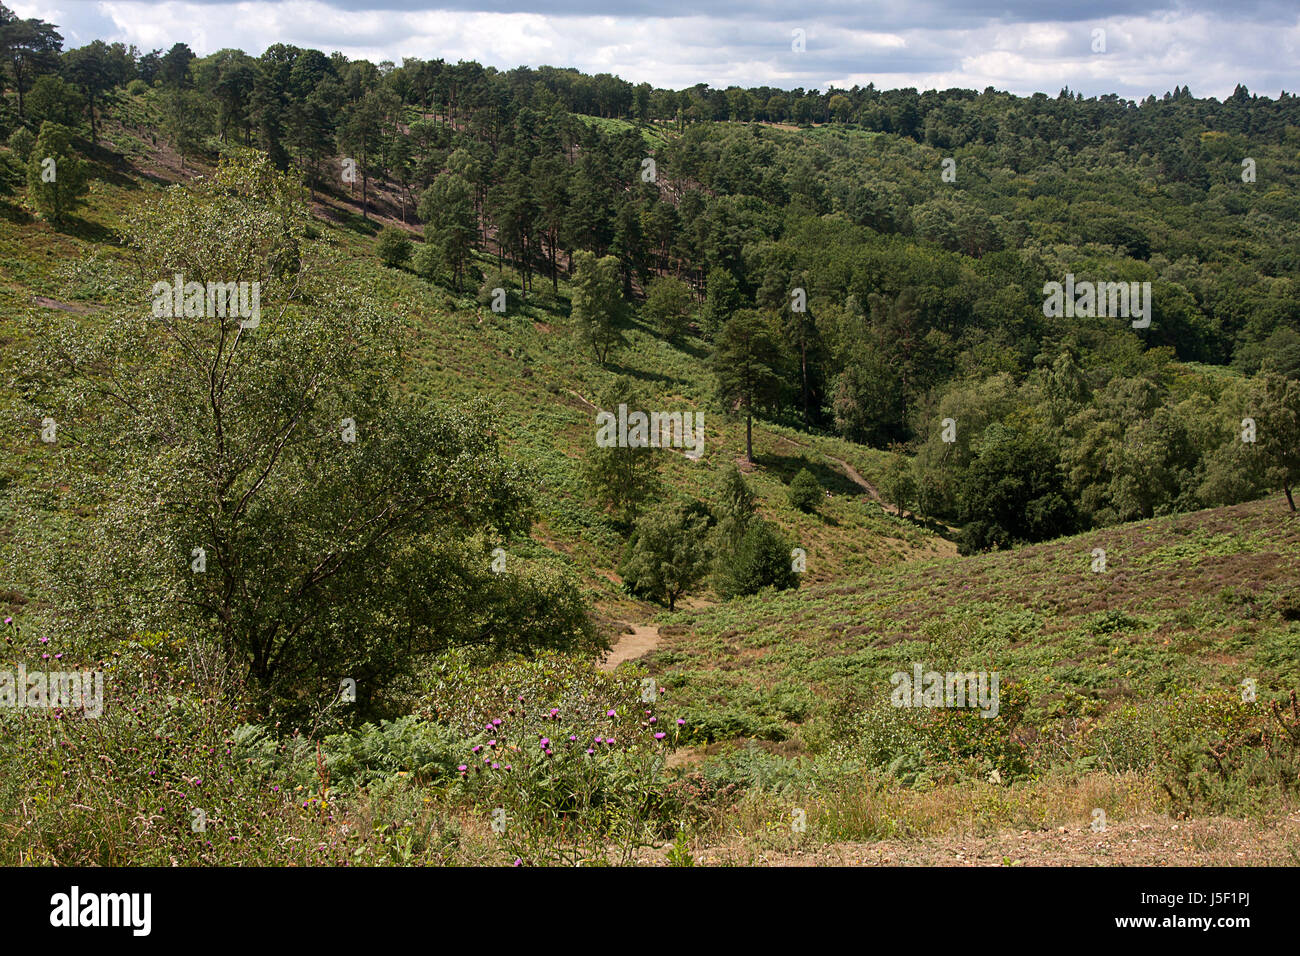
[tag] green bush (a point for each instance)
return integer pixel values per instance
(22, 142)
(394, 247)
(762, 560)
(427, 262)
(804, 492)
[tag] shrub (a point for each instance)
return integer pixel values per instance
(488, 296)
(394, 247)
(762, 560)
(22, 142)
(804, 492)
(137, 87)
(427, 262)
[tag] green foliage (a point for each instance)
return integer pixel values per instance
(393, 247)
(22, 142)
(598, 306)
(762, 560)
(735, 508)
(745, 360)
(668, 552)
(1013, 492)
(804, 492)
(900, 487)
(57, 177)
(622, 477)
(343, 526)
(668, 306)
(427, 261)
(447, 210)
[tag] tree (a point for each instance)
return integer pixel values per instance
(762, 560)
(393, 246)
(598, 306)
(745, 359)
(427, 261)
(360, 134)
(186, 120)
(270, 492)
(447, 210)
(1013, 492)
(622, 476)
(899, 486)
(53, 100)
(668, 306)
(95, 69)
(736, 507)
(1278, 430)
(668, 552)
(56, 176)
(804, 493)
(174, 66)
(28, 48)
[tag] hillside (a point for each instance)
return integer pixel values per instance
(362, 578)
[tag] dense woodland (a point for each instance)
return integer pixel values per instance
(713, 209)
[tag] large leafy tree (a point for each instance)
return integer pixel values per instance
(623, 476)
(265, 490)
(95, 69)
(447, 209)
(746, 359)
(1013, 492)
(598, 304)
(668, 553)
(1278, 425)
(28, 49)
(56, 175)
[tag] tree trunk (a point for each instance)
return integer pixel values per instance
(1286, 486)
(749, 436)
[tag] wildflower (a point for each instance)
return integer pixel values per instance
(492, 743)
(590, 751)
(600, 740)
(681, 721)
(462, 768)
(654, 720)
(496, 721)
(546, 742)
(660, 736)
(496, 766)
(518, 862)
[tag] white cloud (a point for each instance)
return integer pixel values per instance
(683, 44)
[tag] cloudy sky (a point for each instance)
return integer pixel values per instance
(1150, 46)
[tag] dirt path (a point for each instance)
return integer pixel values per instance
(643, 639)
(857, 479)
(1144, 841)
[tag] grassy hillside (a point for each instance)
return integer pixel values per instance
(1121, 690)
(1197, 602)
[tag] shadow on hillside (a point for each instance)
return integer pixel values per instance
(831, 479)
(644, 376)
(12, 212)
(87, 230)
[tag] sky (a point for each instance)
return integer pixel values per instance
(1145, 47)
